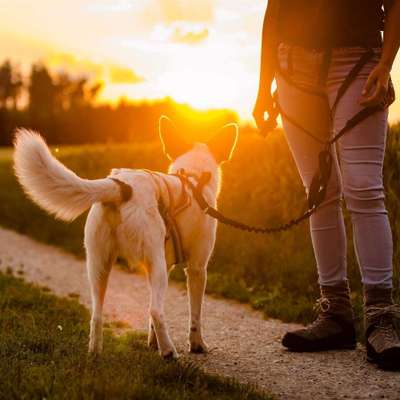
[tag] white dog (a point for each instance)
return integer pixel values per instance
(134, 228)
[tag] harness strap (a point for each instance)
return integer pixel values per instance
(169, 213)
(174, 234)
(354, 121)
(298, 125)
(367, 56)
(184, 199)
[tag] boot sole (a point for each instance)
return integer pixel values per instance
(297, 344)
(387, 360)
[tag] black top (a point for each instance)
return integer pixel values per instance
(331, 23)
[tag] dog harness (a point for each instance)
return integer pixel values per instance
(169, 208)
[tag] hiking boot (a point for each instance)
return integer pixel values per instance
(382, 328)
(334, 327)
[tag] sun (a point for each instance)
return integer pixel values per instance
(195, 75)
(197, 78)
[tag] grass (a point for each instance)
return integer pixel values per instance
(276, 274)
(43, 355)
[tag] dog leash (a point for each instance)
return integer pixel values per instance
(319, 184)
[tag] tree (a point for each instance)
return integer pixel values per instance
(42, 92)
(10, 85)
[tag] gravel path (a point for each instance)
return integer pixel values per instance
(243, 344)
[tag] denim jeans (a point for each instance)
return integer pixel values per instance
(307, 97)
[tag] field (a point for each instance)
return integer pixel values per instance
(260, 186)
(43, 342)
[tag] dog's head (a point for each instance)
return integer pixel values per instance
(197, 157)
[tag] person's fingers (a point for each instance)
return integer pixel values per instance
(259, 118)
(369, 84)
(264, 104)
(376, 98)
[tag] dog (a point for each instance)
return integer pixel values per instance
(132, 226)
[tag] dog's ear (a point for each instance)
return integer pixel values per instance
(223, 143)
(173, 143)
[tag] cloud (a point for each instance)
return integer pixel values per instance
(74, 65)
(122, 75)
(98, 71)
(171, 11)
(182, 10)
(180, 35)
(109, 6)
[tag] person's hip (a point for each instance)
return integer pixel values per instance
(314, 69)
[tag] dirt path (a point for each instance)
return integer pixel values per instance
(243, 344)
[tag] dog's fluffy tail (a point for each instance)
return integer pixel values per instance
(51, 185)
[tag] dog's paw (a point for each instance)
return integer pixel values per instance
(170, 355)
(198, 347)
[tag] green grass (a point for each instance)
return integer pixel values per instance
(43, 355)
(276, 274)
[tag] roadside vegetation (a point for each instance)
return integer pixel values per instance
(276, 274)
(43, 355)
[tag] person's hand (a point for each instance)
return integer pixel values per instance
(264, 104)
(376, 88)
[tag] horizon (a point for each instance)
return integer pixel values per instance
(205, 54)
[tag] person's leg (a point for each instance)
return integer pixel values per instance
(361, 154)
(334, 327)
(311, 111)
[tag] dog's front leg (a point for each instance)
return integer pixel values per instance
(158, 280)
(196, 282)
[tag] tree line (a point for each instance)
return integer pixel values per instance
(63, 108)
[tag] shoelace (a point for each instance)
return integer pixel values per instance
(321, 307)
(385, 316)
(322, 304)
(392, 310)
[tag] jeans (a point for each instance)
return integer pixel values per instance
(307, 97)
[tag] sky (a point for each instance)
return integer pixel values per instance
(203, 52)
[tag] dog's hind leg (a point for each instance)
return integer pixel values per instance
(100, 257)
(98, 271)
(152, 338)
(158, 280)
(196, 281)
